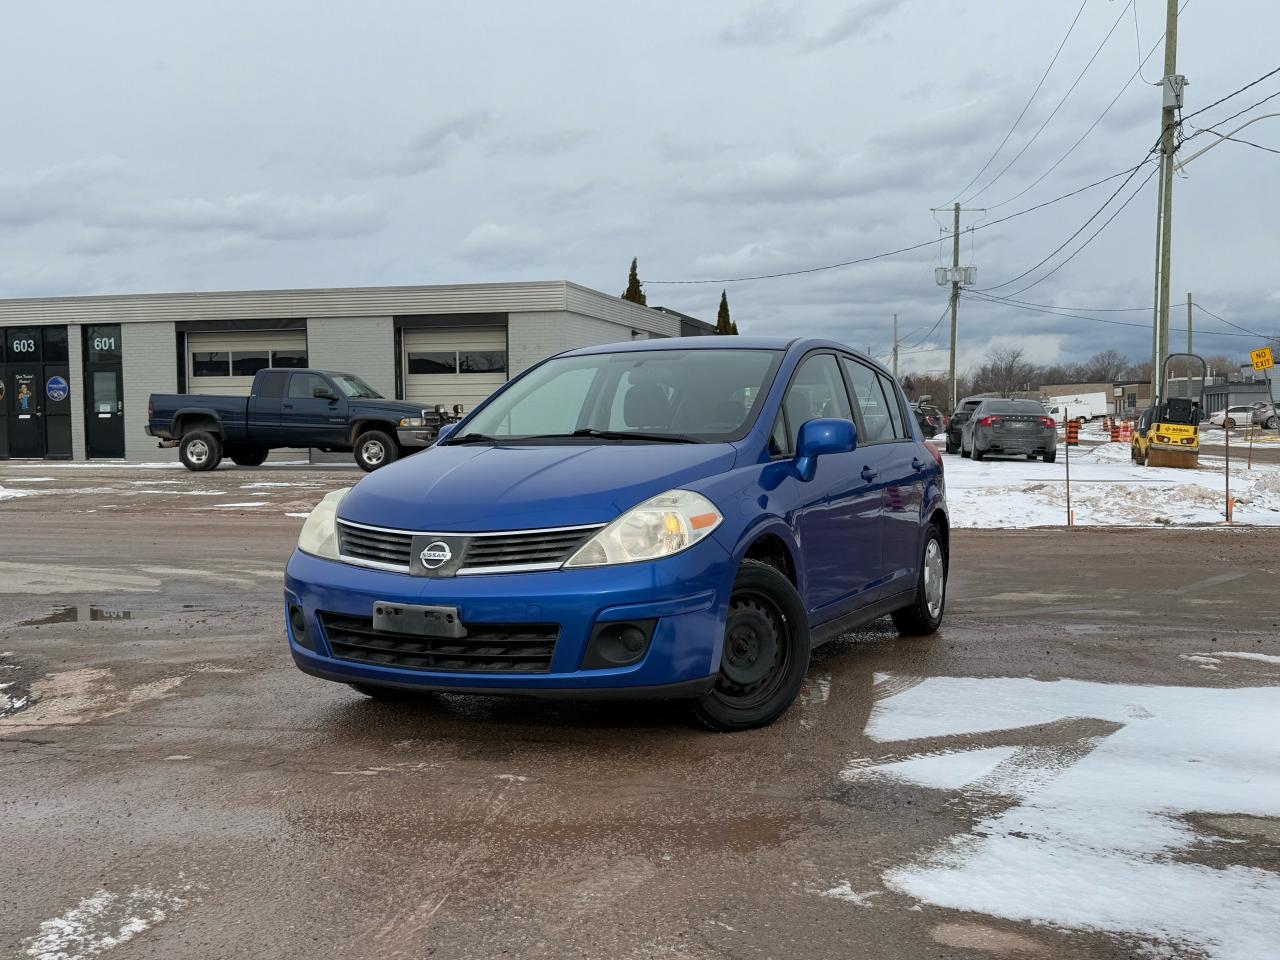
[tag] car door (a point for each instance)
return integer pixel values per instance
(837, 514)
(265, 404)
(892, 452)
(310, 421)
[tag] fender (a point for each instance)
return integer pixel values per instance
(199, 412)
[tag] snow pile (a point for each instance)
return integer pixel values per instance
(1107, 489)
(9, 493)
(1101, 836)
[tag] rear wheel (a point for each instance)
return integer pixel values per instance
(979, 453)
(1051, 456)
(964, 452)
(924, 616)
(1272, 423)
(765, 656)
(374, 449)
(200, 451)
(247, 456)
(1228, 424)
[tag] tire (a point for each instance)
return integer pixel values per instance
(200, 451)
(952, 447)
(248, 456)
(383, 694)
(924, 615)
(978, 454)
(1228, 424)
(1051, 457)
(1032, 456)
(963, 452)
(1272, 423)
(766, 622)
(374, 449)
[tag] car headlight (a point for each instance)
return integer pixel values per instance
(412, 423)
(319, 536)
(659, 527)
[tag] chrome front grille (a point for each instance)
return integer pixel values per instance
(514, 551)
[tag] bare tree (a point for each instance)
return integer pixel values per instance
(1105, 366)
(1005, 373)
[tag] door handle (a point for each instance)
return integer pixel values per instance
(917, 464)
(868, 474)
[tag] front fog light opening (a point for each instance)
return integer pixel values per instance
(618, 644)
(298, 624)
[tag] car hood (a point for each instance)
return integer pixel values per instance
(400, 407)
(479, 487)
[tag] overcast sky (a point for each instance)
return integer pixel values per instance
(181, 146)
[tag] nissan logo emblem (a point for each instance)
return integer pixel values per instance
(435, 554)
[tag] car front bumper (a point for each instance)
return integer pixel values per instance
(685, 596)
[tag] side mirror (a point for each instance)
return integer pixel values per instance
(323, 393)
(444, 432)
(823, 436)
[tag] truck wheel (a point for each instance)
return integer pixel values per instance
(374, 449)
(200, 451)
(765, 656)
(924, 616)
(248, 456)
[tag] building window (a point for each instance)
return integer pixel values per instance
(433, 363)
(245, 363)
(215, 363)
(289, 358)
(482, 361)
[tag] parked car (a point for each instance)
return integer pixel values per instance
(1232, 417)
(292, 408)
(931, 420)
(672, 518)
(1265, 413)
(1010, 428)
(964, 409)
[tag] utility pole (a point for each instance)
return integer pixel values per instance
(895, 346)
(1173, 85)
(955, 303)
(1189, 350)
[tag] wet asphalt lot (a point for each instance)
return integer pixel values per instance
(175, 788)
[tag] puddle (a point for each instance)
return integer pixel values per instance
(68, 614)
(1103, 781)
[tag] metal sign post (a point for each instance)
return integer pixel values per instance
(1071, 517)
(1227, 474)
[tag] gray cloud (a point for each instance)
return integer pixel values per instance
(54, 192)
(857, 21)
(546, 143)
(429, 148)
(765, 25)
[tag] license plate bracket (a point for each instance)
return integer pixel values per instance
(418, 620)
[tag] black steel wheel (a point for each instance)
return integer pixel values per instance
(765, 656)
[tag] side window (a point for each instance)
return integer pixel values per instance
(816, 391)
(900, 430)
(779, 441)
(302, 386)
(271, 383)
(876, 425)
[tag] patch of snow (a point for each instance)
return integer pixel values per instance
(29, 479)
(265, 484)
(249, 503)
(1258, 657)
(1106, 489)
(843, 891)
(307, 514)
(101, 922)
(7, 493)
(1098, 837)
(950, 770)
(1204, 662)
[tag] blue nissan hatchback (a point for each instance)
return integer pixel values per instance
(671, 518)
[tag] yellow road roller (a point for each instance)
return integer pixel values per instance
(1168, 433)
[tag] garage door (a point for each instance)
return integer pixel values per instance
(224, 363)
(449, 366)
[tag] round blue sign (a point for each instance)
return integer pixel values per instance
(58, 389)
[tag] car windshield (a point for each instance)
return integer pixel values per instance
(705, 395)
(1014, 407)
(355, 387)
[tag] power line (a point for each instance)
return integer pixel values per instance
(945, 311)
(1252, 333)
(1250, 143)
(892, 253)
(1132, 173)
(1027, 106)
(1235, 93)
(1137, 37)
(1024, 303)
(1070, 150)
(1035, 136)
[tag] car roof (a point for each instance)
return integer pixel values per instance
(799, 344)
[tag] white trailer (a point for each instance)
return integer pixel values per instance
(1078, 406)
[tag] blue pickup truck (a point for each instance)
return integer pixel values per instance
(293, 408)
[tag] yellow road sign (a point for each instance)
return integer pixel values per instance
(1262, 359)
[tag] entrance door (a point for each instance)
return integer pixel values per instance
(104, 424)
(26, 420)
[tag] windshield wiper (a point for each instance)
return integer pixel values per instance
(622, 435)
(472, 438)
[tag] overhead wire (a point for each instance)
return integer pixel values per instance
(1234, 93)
(1252, 333)
(1035, 136)
(1026, 106)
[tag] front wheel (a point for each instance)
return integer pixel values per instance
(765, 656)
(200, 451)
(1272, 423)
(924, 616)
(374, 449)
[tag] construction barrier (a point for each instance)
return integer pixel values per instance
(1115, 432)
(1073, 433)
(1126, 431)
